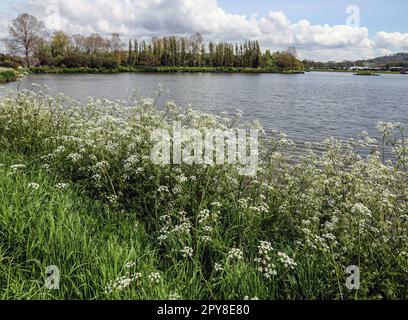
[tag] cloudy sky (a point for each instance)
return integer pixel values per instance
(320, 29)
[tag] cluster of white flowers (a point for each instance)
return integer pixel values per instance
(244, 203)
(122, 283)
(171, 107)
(387, 128)
(206, 235)
(206, 239)
(154, 277)
(102, 165)
(33, 185)
(59, 150)
(266, 267)
(178, 225)
(62, 186)
(163, 189)
(362, 210)
(74, 157)
(16, 167)
(206, 217)
(130, 162)
(287, 261)
(187, 252)
(203, 216)
(175, 296)
(184, 225)
(112, 199)
(182, 178)
(218, 267)
(314, 241)
(235, 254)
(130, 265)
(259, 209)
(216, 204)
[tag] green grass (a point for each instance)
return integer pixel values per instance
(7, 75)
(48, 226)
(366, 73)
(208, 232)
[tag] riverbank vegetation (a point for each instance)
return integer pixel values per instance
(7, 75)
(79, 191)
(94, 53)
(366, 73)
(62, 51)
(120, 69)
(172, 54)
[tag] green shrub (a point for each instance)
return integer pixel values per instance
(9, 64)
(7, 75)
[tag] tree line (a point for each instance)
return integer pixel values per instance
(194, 52)
(29, 40)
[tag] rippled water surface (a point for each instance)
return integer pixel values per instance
(307, 107)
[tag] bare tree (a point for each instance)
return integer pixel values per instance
(292, 51)
(95, 43)
(196, 41)
(115, 43)
(25, 31)
(79, 42)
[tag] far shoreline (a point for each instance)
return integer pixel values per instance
(43, 70)
(123, 69)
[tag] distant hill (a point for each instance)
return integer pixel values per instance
(399, 60)
(393, 59)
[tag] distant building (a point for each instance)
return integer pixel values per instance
(358, 68)
(395, 68)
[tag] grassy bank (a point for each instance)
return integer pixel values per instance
(46, 69)
(79, 191)
(7, 75)
(366, 73)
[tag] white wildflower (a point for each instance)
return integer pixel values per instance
(187, 252)
(235, 254)
(154, 277)
(62, 186)
(33, 185)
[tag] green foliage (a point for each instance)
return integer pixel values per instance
(9, 61)
(9, 64)
(366, 73)
(123, 227)
(7, 75)
(169, 54)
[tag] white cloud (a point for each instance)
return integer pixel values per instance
(146, 18)
(3, 30)
(394, 40)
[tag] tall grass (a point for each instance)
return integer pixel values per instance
(123, 227)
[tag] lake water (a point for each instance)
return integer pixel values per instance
(309, 107)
